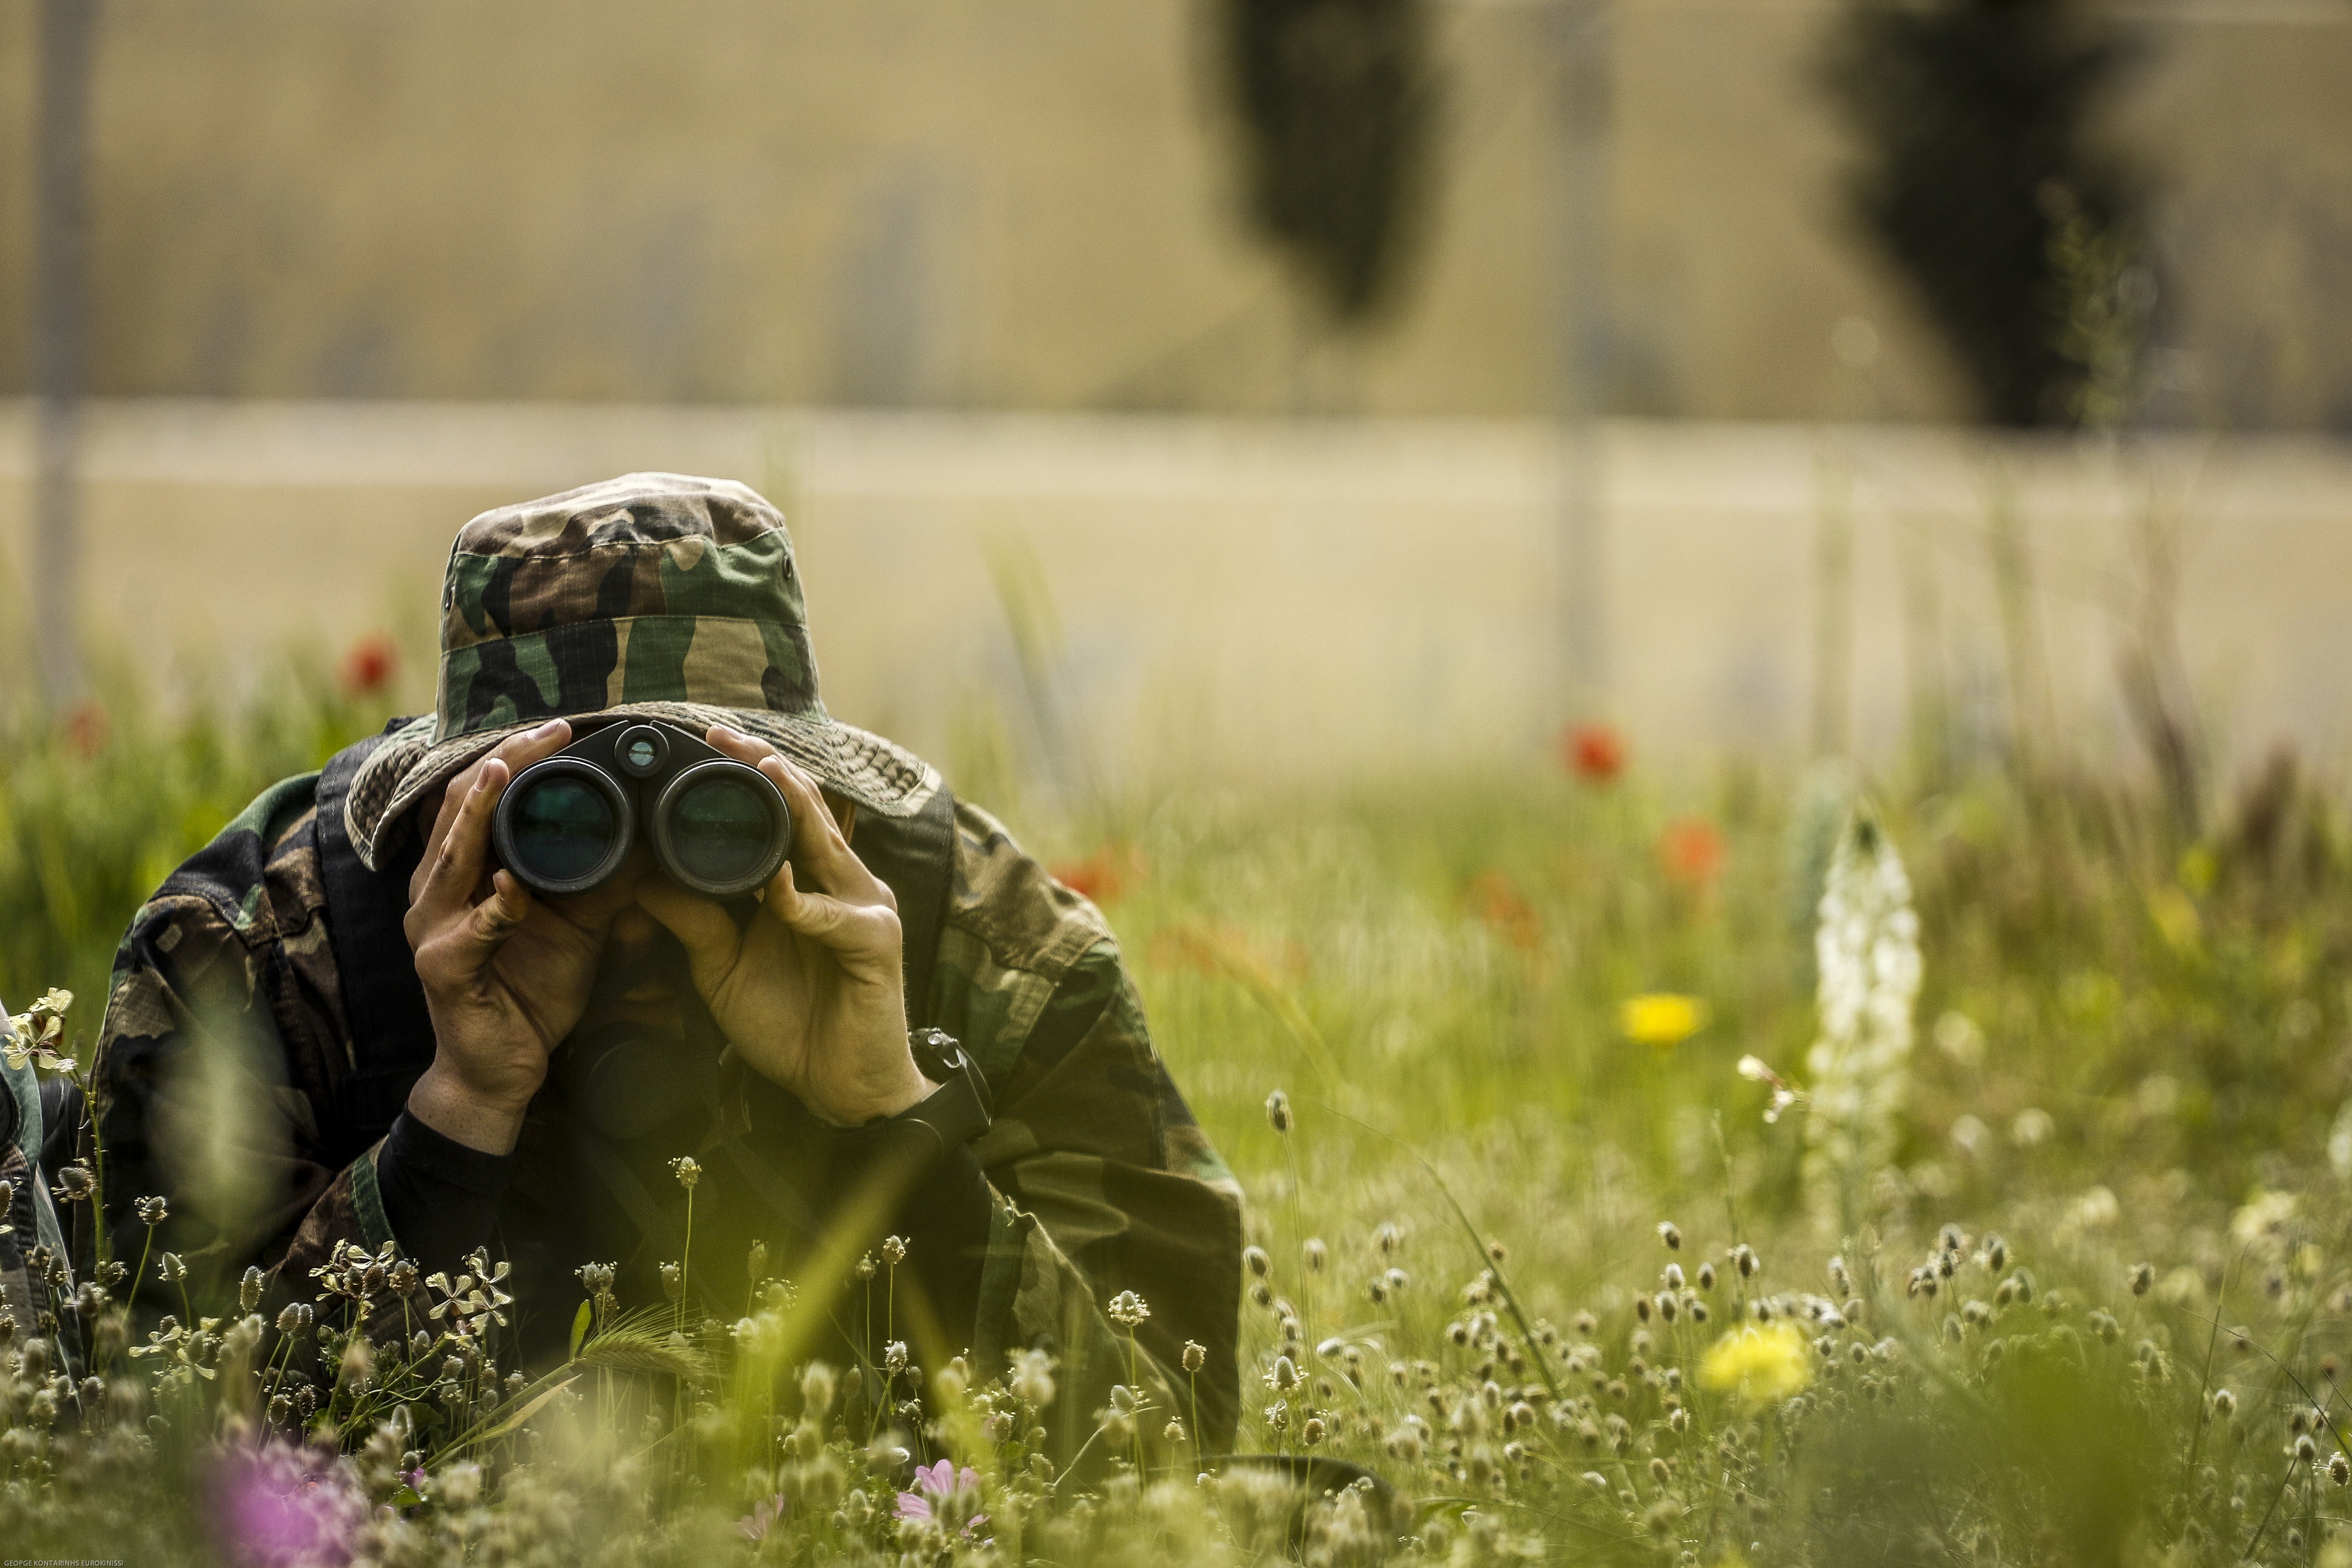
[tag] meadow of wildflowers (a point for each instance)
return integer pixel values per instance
(1723, 1171)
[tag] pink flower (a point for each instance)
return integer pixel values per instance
(282, 1507)
(765, 1515)
(943, 1493)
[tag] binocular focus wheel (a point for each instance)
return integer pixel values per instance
(641, 750)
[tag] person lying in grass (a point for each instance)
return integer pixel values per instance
(349, 1021)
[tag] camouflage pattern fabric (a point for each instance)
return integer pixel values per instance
(664, 594)
(21, 1302)
(37, 1280)
(225, 1043)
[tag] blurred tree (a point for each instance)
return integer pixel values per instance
(1975, 116)
(1337, 100)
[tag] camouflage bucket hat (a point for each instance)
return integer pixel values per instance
(654, 594)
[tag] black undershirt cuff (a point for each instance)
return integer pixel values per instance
(944, 1220)
(440, 1197)
(943, 1212)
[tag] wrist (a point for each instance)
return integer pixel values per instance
(891, 1091)
(465, 1114)
(956, 1106)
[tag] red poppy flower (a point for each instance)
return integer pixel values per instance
(1103, 875)
(1692, 849)
(85, 729)
(1594, 752)
(369, 663)
(1494, 900)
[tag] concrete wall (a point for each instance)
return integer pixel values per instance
(1263, 600)
(1025, 203)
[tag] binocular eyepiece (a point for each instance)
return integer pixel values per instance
(566, 823)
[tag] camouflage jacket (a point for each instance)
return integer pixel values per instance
(31, 1241)
(225, 1041)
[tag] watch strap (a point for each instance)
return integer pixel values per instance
(952, 1115)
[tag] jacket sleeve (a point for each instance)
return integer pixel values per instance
(27, 1219)
(1109, 1196)
(215, 1073)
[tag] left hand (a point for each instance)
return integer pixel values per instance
(812, 992)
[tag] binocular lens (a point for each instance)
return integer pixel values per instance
(570, 821)
(721, 830)
(563, 828)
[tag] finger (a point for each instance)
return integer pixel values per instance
(817, 838)
(449, 802)
(864, 937)
(488, 924)
(823, 852)
(818, 843)
(750, 748)
(457, 868)
(786, 774)
(741, 745)
(703, 928)
(518, 752)
(815, 915)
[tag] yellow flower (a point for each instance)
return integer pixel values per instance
(1661, 1019)
(2177, 920)
(1761, 1365)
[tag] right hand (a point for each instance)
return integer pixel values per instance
(506, 976)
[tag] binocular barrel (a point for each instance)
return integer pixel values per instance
(567, 822)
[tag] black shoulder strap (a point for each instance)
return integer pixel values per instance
(916, 855)
(392, 1034)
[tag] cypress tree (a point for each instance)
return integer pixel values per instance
(1336, 105)
(1979, 173)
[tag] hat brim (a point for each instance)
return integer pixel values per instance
(877, 774)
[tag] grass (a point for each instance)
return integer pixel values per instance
(95, 808)
(2091, 1310)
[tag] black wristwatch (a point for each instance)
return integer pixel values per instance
(952, 1115)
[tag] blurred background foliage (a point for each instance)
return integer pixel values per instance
(1059, 206)
(1647, 301)
(97, 807)
(2103, 998)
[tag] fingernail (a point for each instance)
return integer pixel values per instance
(547, 728)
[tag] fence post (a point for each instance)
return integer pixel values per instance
(60, 336)
(1584, 35)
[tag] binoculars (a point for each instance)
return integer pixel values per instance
(566, 823)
